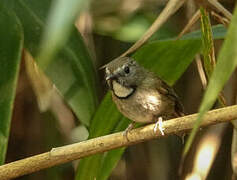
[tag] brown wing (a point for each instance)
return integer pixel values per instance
(170, 93)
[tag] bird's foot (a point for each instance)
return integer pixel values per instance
(159, 125)
(130, 127)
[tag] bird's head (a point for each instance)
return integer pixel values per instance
(123, 75)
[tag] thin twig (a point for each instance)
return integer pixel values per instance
(220, 19)
(171, 7)
(75, 151)
(201, 72)
(221, 8)
(191, 22)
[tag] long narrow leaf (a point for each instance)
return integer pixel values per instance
(169, 59)
(219, 32)
(11, 43)
(207, 41)
(208, 48)
(104, 121)
(112, 157)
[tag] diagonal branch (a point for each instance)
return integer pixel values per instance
(79, 150)
(171, 7)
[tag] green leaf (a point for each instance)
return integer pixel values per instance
(104, 122)
(105, 119)
(71, 70)
(219, 32)
(158, 56)
(59, 25)
(10, 54)
(208, 52)
(226, 64)
(112, 157)
(169, 59)
(207, 42)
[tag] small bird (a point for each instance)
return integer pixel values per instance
(141, 95)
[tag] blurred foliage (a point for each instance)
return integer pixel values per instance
(71, 70)
(58, 28)
(59, 50)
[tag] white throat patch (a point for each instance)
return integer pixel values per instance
(121, 91)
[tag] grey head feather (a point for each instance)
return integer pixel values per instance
(125, 71)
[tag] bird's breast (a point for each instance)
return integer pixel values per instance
(142, 106)
(151, 102)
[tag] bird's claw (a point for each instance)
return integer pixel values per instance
(130, 127)
(159, 125)
(125, 134)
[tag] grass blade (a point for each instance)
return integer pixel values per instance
(10, 54)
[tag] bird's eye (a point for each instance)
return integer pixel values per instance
(126, 69)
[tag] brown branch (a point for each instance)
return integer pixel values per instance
(75, 151)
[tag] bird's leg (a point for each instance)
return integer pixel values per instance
(130, 127)
(159, 125)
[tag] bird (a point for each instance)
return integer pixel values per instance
(140, 95)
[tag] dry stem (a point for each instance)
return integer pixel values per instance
(220, 8)
(201, 71)
(191, 22)
(171, 7)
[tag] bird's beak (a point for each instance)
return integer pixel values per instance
(110, 76)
